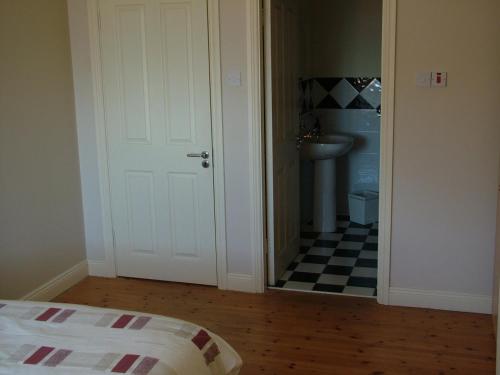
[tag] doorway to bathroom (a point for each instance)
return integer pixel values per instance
(325, 179)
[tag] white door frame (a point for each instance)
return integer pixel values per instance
(254, 42)
(389, 20)
(109, 269)
(386, 141)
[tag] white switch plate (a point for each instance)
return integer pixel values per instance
(423, 79)
(439, 79)
(233, 78)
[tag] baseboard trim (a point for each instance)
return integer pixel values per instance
(101, 268)
(59, 284)
(241, 282)
(440, 300)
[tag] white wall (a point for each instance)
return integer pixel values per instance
(446, 146)
(236, 136)
(77, 11)
(343, 38)
(41, 226)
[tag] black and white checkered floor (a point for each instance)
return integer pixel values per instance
(340, 262)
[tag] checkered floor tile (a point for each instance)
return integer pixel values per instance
(340, 262)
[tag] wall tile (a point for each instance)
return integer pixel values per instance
(363, 171)
(366, 142)
(372, 93)
(344, 93)
(348, 120)
(318, 93)
(335, 92)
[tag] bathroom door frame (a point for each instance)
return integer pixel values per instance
(259, 76)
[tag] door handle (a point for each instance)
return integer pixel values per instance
(203, 155)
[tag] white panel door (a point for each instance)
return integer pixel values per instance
(282, 123)
(155, 70)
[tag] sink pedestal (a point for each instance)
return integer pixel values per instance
(325, 201)
(324, 150)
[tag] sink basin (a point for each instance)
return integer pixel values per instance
(326, 147)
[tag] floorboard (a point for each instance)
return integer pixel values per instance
(282, 332)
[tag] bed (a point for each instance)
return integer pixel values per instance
(48, 338)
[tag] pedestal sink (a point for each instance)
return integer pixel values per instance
(324, 150)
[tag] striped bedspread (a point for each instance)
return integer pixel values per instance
(45, 338)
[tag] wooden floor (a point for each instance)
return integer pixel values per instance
(308, 334)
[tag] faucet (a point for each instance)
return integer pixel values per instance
(306, 131)
(316, 130)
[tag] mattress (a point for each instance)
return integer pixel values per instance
(48, 338)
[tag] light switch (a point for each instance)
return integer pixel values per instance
(439, 79)
(233, 78)
(423, 79)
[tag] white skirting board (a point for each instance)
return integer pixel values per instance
(235, 281)
(440, 300)
(59, 284)
(101, 268)
(240, 282)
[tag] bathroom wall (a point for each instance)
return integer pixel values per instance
(343, 38)
(341, 86)
(347, 106)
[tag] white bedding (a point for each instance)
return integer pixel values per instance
(46, 338)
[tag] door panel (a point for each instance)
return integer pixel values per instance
(157, 102)
(178, 71)
(283, 121)
(133, 73)
(185, 205)
(140, 212)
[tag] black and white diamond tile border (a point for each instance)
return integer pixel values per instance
(341, 262)
(341, 93)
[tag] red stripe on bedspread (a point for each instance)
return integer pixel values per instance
(125, 363)
(140, 322)
(49, 313)
(61, 318)
(122, 321)
(57, 358)
(145, 366)
(37, 356)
